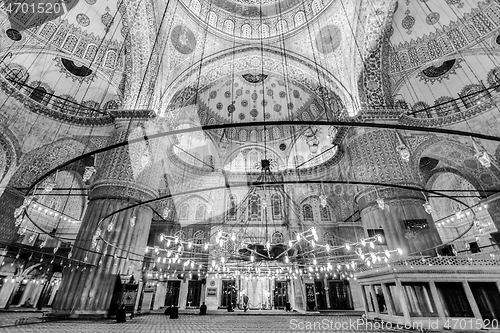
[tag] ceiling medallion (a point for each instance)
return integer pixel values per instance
(255, 78)
(83, 20)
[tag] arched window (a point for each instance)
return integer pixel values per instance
(212, 19)
(307, 212)
(254, 207)
(201, 212)
(316, 6)
(277, 237)
(277, 209)
(325, 213)
(70, 43)
(195, 7)
(473, 95)
(38, 94)
(184, 212)
(110, 59)
(231, 208)
(91, 52)
(198, 242)
(264, 31)
(181, 234)
(246, 31)
(229, 27)
(282, 26)
(300, 18)
(48, 30)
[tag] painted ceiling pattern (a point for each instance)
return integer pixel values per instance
(446, 39)
(238, 100)
(256, 21)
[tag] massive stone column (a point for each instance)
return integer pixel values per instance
(374, 158)
(126, 175)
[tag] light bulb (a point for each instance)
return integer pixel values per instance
(298, 237)
(233, 237)
(348, 247)
(287, 260)
(327, 248)
(252, 258)
(206, 246)
(427, 207)
(290, 243)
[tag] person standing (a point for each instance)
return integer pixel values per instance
(174, 312)
(203, 309)
(245, 302)
(121, 314)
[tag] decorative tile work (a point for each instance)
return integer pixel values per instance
(456, 36)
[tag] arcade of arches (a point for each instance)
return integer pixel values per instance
(317, 154)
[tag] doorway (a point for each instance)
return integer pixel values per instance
(280, 294)
(229, 294)
(340, 295)
(194, 294)
(320, 294)
(19, 293)
(172, 297)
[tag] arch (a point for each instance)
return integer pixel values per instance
(276, 207)
(299, 18)
(181, 234)
(70, 43)
(229, 27)
(264, 31)
(110, 59)
(201, 212)
(301, 72)
(324, 213)
(246, 31)
(195, 7)
(444, 211)
(282, 26)
(254, 207)
(184, 212)
(316, 6)
(472, 95)
(232, 214)
(40, 160)
(307, 212)
(48, 30)
(458, 156)
(91, 52)
(212, 19)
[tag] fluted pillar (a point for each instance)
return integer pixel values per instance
(126, 175)
(406, 224)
